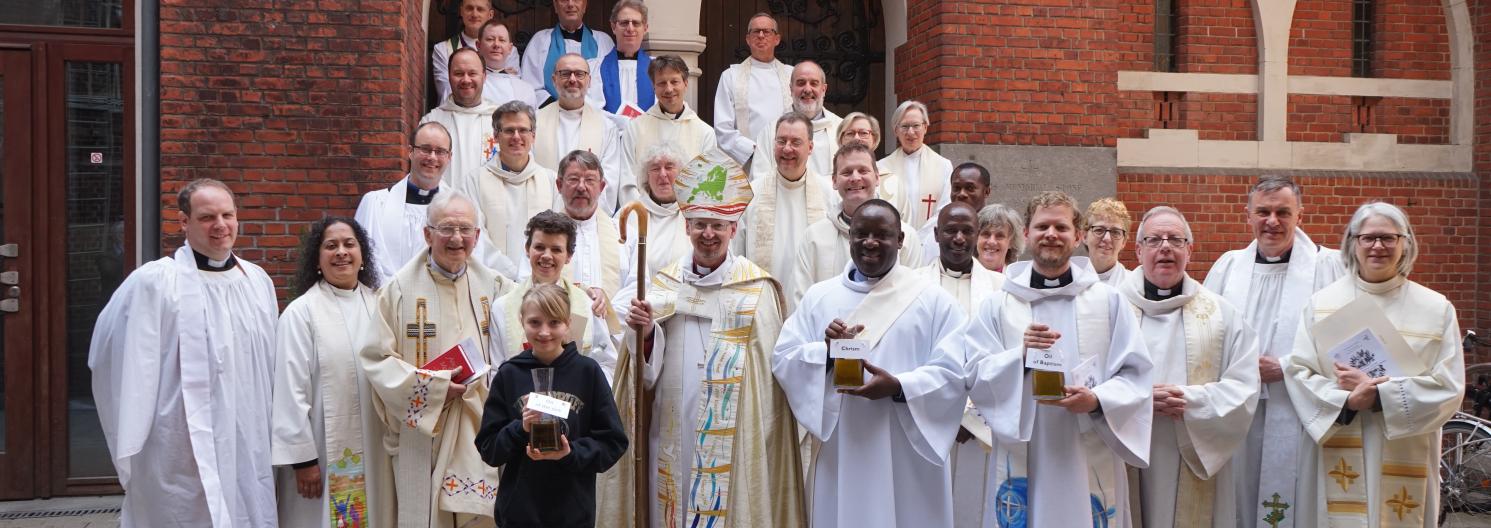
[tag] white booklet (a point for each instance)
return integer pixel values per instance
(1360, 335)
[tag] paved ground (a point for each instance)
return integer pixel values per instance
(111, 520)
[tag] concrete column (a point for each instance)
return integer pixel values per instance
(673, 29)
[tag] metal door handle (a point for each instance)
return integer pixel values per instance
(10, 250)
(12, 302)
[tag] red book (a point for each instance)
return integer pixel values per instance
(466, 355)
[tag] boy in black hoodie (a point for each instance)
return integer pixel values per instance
(554, 489)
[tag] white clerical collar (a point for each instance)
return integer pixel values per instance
(952, 273)
(790, 184)
(571, 113)
(585, 222)
(437, 269)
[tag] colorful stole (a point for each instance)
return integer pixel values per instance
(337, 371)
(742, 87)
(588, 49)
(611, 79)
(1012, 499)
(731, 310)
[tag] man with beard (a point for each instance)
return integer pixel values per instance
(1205, 381)
(496, 47)
(570, 35)
(1272, 279)
(1055, 457)
(787, 201)
(885, 442)
(468, 119)
(573, 124)
(752, 94)
(395, 217)
(967, 281)
(809, 86)
(440, 298)
(511, 189)
(670, 121)
(824, 249)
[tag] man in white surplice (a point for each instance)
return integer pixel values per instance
(885, 443)
(474, 15)
(970, 283)
(1059, 463)
(824, 249)
(1205, 381)
(436, 301)
(468, 119)
(752, 94)
(572, 124)
(595, 264)
(914, 178)
(510, 189)
(787, 201)
(1273, 279)
(182, 360)
(670, 121)
(809, 87)
(1371, 452)
(569, 35)
(395, 217)
(501, 86)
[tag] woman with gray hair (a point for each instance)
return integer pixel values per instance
(1375, 408)
(666, 240)
(999, 240)
(914, 178)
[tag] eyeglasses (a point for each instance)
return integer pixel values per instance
(1099, 232)
(859, 133)
(448, 231)
(565, 74)
(761, 32)
(515, 131)
(909, 127)
(1153, 242)
(432, 151)
(1388, 241)
(628, 23)
(575, 182)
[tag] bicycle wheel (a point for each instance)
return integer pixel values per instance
(1465, 485)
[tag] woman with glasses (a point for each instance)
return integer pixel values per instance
(914, 178)
(326, 437)
(861, 127)
(1372, 405)
(1107, 223)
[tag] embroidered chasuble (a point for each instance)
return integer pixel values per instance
(1375, 467)
(394, 226)
(559, 131)
(183, 363)
(323, 411)
(824, 250)
(1048, 461)
(687, 132)
(472, 142)
(917, 184)
(1202, 344)
(775, 220)
(969, 460)
(594, 335)
(750, 97)
(508, 200)
(1272, 295)
(912, 330)
(723, 443)
(440, 478)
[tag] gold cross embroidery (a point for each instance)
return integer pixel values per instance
(486, 318)
(1276, 513)
(1344, 475)
(421, 331)
(1402, 503)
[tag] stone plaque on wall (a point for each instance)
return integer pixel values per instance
(1018, 172)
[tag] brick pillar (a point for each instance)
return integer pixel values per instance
(299, 107)
(1480, 12)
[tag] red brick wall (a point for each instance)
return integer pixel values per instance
(1030, 72)
(1320, 38)
(299, 107)
(1412, 39)
(1217, 36)
(1443, 209)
